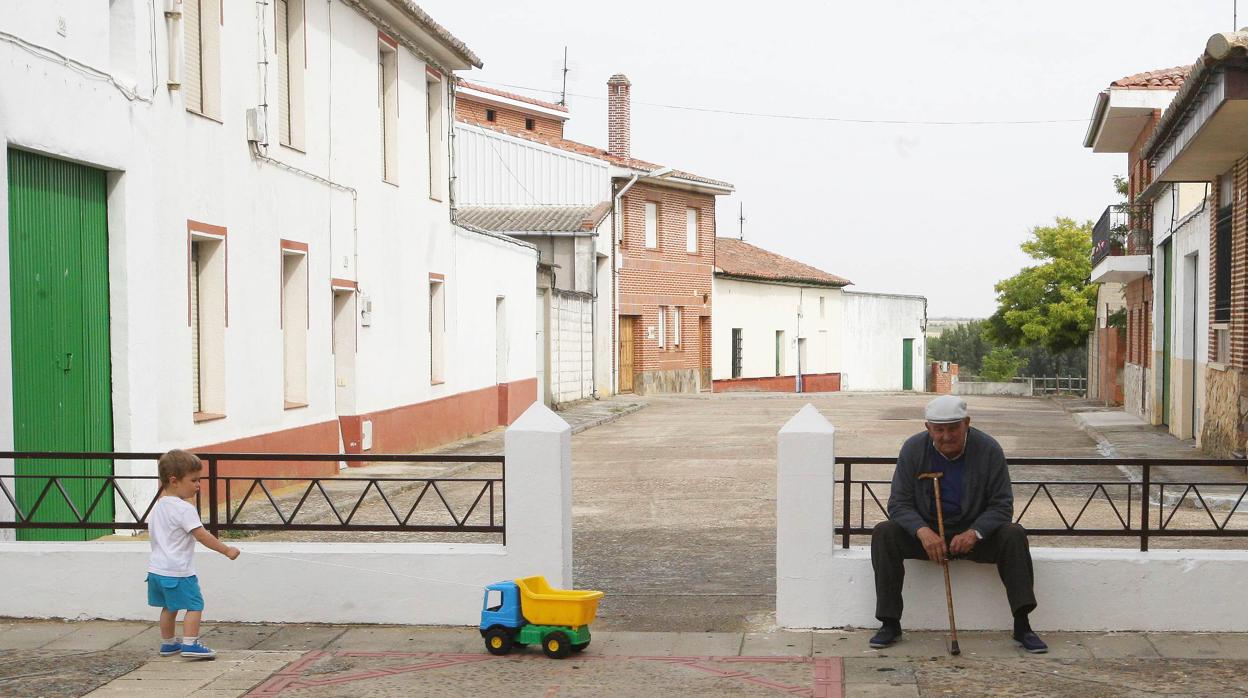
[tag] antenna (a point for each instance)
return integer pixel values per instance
(563, 92)
(741, 221)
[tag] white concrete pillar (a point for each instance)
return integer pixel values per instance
(538, 448)
(805, 519)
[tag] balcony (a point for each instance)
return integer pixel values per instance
(1122, 243)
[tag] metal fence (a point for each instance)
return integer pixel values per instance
(1141, 509)
(1059, 385)
(263, 502)
(1122, 229)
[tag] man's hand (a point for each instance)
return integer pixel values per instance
(963, 542)
(933, 544)
(231, 552)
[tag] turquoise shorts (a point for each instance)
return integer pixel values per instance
(174, 593)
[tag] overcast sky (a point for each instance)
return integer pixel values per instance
(937, 210)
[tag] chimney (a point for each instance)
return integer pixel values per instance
(618, 115)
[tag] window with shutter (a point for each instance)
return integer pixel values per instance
(282, 10)
(201, 27)
(191, 78)
(652, 225)
(193, 274)
(691, 230)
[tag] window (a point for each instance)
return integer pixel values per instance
(676, 326)
(528, 124)
(295, 323)
(662, 326)
(490, 115)
(388, 105)
(433, 127)
(437, 329)
(652, 225)
(206, 315)
(1222, 248)
(822, 311)
(691, 230)
(290, 67)
(779, 352)
(201, 27)
(736, 352)
(1222, 344)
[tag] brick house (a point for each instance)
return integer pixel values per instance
(1123, 118)
(1200, 139)
(655, 275)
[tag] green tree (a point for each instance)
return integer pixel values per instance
(1001, 364)
(1052, 303)
(963, 345)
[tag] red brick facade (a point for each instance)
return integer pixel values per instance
(469, 109)
(667, 276)
(941, 381)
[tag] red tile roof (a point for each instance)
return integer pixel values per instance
(741, 259)
(512, 95)
(1164, 79)
(599, 153)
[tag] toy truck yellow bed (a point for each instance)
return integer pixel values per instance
(542, 605)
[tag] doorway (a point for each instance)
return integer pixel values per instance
(62, 382)
(628, 324)
(1167, 326)
(344, 351)
(907, 364)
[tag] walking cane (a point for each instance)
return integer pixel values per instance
(940, 524)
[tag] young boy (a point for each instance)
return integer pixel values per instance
(174, 527)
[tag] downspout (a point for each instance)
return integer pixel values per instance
(801, 296)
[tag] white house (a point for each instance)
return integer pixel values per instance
(776, 319)
(559, 201)
(227, 227)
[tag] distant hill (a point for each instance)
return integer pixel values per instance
(937, 325)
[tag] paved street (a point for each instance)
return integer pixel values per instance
(100, 658)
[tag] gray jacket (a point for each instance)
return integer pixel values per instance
(987, 495)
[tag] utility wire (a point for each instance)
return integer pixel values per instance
(805, 117)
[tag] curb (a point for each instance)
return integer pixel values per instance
(608, 418)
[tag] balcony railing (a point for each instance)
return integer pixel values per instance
(1123, 229)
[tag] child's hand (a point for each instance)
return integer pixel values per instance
(231, 552)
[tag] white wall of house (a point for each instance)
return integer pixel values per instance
(168, 165)
(494, 168)
(875, 327)
(760, 310)
(1181, 218)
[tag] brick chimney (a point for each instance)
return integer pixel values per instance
(618, 115)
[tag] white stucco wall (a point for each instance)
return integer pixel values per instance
(1181, 218)
(760, 310)
(875, 325)
(169, 165)
(494, 168)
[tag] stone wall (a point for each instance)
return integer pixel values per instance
(687, 380)
(1224, 412)
(1134, 388)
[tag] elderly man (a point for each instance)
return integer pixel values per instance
(977, 500)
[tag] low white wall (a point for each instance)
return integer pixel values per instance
(413, 583)
(992, 388)
(819, 585)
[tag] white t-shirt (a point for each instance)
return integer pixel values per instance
(173, 547)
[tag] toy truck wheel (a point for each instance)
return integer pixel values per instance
(556, 645)
(498, 641)
(581, 646)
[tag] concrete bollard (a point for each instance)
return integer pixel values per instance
(538, 448)
(805, 519)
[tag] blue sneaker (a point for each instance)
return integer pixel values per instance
(1030, 642)
(197, 651)
(168, 649)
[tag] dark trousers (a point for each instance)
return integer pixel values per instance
(1006, 547)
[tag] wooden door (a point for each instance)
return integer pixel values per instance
(627, 324)
(704, 350)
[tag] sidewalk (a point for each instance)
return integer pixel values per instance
(108, 658)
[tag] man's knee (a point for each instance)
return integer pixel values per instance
(886, 530)
(1012, 534)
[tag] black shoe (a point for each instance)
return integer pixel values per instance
(887, 635)
(1031, 642)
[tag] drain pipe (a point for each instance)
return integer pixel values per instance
(617, 229)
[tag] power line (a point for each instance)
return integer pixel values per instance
(806, 117)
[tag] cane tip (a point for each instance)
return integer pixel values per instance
(955, 651)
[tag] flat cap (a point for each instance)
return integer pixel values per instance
(945, 409)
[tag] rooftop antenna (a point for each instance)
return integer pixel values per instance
(563, 92)
(741, 221)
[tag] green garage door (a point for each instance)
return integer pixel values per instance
(58, 270)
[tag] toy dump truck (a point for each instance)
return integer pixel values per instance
(528, 610)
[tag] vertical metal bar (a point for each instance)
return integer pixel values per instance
(847, 469)
(491, 502)
(503, 466)
(1145, 486)
(214, 526)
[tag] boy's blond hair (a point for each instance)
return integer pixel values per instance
(177, 464)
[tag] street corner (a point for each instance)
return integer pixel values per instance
(349, 673)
